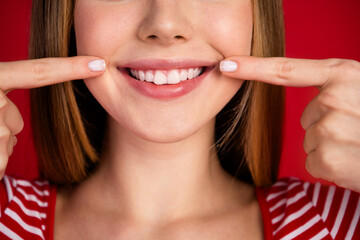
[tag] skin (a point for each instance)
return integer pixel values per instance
(331, 119)
(170, 157)
(142, 155)
(138, 21)
(32, 74)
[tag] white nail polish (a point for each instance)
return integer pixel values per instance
(228, 66)
(97, 65)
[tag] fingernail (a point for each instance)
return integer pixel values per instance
(97, 65)
(228, 66)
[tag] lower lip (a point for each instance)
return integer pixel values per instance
(166, 91)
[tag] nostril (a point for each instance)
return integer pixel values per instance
(154, 37)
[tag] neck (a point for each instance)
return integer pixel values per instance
(158, 182)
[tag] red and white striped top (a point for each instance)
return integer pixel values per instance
(291, 209)
(27, 209)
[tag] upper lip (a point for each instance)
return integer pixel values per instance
(165, 64)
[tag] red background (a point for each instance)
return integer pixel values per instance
(315, 29)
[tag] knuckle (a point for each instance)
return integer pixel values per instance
(10, 148)
(328, 99)
(5, 133)
(332, 128)
(303, 122)
(357, 68)
(283, 68)
(17, 120)
(307, 117)
(20, 126)
(325, 161)
(3, 102)
(342, 181)
(336, 99)
(311, 165)
(324, 128)
(343, 66)
(41, 70)
(306, 147)
(335, 64)
(306, 144)
(352, 64)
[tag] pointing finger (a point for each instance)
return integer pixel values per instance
(41, 72)
(280, 71)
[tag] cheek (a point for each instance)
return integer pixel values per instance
(230, 31)
(100, 30)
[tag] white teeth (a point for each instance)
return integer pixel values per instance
(142, 75)
(135, 73)
(190, 73)
(159, 78)
(197, 72)
(173, 76)
(149, 76)
(183, 75)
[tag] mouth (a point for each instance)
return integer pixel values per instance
(168, 76)
(165, 79)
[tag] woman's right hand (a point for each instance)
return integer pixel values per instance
(32, 74)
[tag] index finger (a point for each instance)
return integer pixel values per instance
(280, 71)
(46, 71)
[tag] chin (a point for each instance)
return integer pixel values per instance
(165, 138)
(165, 134)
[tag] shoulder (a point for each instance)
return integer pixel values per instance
(302, 209)
(27, 210)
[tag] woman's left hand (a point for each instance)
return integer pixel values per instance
(331, 119)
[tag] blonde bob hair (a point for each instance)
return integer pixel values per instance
(69, 125)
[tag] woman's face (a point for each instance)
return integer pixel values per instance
(163, 41)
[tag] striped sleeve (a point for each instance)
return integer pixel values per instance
(338, 208)
(301, 210)
(27, 210)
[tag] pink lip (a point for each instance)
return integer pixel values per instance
(166, 91)
(164, 64)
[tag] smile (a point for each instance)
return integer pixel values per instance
(169, 76)
(165, 79)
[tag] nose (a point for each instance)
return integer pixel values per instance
(165, 23)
